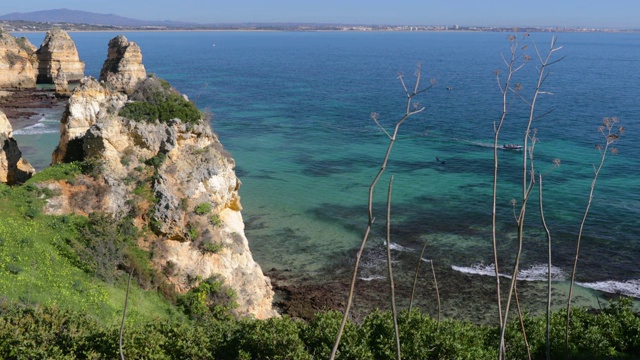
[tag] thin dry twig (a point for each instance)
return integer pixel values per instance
(371, 218)
(124, 315)
(611, 134)
(392, 294)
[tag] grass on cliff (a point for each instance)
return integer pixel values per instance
(39, 265)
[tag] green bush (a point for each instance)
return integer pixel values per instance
(210, 299)
(154, 100)
(215, 220)
(211, 248)
(203, 208)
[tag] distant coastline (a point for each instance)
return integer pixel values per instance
(32, 26)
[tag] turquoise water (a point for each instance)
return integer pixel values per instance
(293, 109)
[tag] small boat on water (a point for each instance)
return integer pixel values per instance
(511, 147)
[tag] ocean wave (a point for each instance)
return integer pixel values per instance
(628, 288)
(372, 277)
(398, 247)
(532, 273)
(41, 127)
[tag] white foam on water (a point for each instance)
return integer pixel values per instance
(532, 273)
(628, 288)
(43, 126)
(398, 247)
(372, 277)
(425, 260)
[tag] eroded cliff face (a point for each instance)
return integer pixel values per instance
(58, 54)
(123, 67)
(175, 179)
(13, 168)
(16, 67)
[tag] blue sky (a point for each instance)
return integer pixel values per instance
(612, 13)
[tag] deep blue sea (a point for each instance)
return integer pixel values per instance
(294, 108)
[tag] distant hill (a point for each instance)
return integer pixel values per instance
(85, 17)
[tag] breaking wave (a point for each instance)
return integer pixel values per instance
(628, 288)
(533, 273)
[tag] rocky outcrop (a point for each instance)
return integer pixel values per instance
(90, 102)
(16, 68)
(13, 168)
(123, 67)
(177, 180)
(57, 54)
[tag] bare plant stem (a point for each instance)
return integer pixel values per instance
(512, 69)
(610, 138)
(415, 278)
(524, 332)
(124, 315)
(392, 139)
(546, 229)
(390, 272)
(435, 282)
(527, 181)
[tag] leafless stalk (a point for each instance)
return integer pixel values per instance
(528, 174)
(524, 332)
(124, 315)
(390, 272)
(392, 138)
(512, 69)
(546, 229)
(415, 278)
(435, 282)
(611, 133)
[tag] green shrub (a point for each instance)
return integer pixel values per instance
(210, 299)
(215, 220)
(154, 100)
(203, 208)
(140, 111)
(211, 248)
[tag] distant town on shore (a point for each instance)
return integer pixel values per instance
(22, 25)
(76, 20)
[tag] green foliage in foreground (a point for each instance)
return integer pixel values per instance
(49, 332)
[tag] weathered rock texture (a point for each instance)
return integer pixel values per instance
(13, 168)
(90, 102)
(123, 67)
(57, 54)
(188, 167)
(16, 68)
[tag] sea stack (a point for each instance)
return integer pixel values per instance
(16, 68)
(58, 53)
(123, 67)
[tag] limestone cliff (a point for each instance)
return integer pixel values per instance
(13, 168)
(16, 68)
(57, 54)
(177, 181)
(123, 67)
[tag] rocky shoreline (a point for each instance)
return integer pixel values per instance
(23, 107)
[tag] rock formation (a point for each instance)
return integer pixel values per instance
(188, 169)
(13, 168)
(123, 67)
(91, 102)
(16, 68)
(58, 53)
